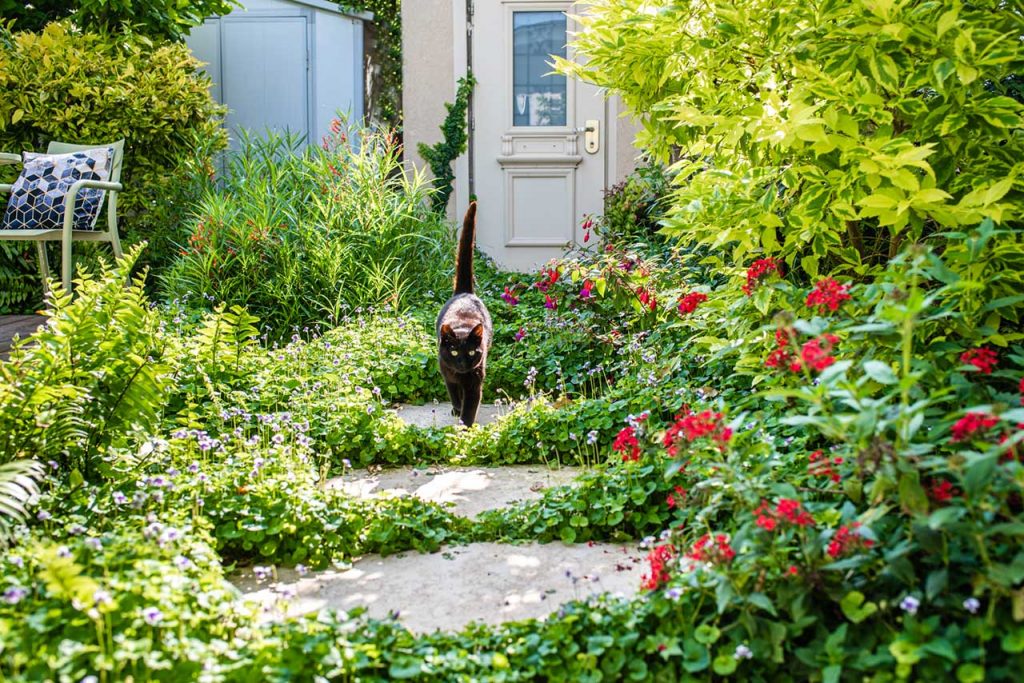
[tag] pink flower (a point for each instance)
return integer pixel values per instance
(509, 297)
(550, 303)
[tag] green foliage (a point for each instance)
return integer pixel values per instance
(633, 208)
(93, 374)
(384, 45)
(17, 487)
(161, 19)
(441, 155)
(830, 134)
(300, 236)
(17, 284)
(71, 86)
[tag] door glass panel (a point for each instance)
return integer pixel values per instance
(538, 97)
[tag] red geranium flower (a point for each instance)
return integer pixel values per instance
(688, 304)
(627, 444)
(983, 358)
(658, 558)
(846, 539)
(971, 424)
(693, 426)
(942, 491)
(758, 271)
(671, 499)
(827, 294)
(815, 354)
(706, 550)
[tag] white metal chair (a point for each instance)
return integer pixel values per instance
(67, 235)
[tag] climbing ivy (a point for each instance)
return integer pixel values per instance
(441, 155)
(384, 49)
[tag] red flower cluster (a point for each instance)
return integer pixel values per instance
(827, 294)
(821, 466)
(627, 444)
(815, 354)
(982, 358)
(704, 550)
(671, 499)
(690, 302)
(846, 539)
(786, 510)
(942, 491)
(659, 558)
(971, 424)
(693, 426)
(547, 278)
(759, 270)
(646, 298)
(779, 358)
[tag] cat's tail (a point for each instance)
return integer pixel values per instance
(464, 260)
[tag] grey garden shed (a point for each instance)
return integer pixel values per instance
(284, 64)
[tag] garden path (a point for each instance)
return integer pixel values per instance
(486, 582)
(16, 325)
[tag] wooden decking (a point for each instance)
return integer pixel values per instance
(16, 325)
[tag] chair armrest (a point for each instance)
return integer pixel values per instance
(6, 188)
(9, 158)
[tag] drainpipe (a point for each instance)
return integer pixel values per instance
(470, 125)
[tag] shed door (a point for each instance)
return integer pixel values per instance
(265, 72)
(536, 175)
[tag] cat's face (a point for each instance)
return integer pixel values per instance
(461, 352)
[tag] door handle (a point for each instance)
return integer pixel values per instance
(591, 135)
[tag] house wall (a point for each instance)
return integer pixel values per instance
(428, 72)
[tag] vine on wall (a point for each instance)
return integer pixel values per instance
(453, 143)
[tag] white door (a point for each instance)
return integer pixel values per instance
(538, 172)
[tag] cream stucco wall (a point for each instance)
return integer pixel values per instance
(428, 75)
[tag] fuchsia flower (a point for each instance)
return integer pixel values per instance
(518, 336)
(550, 303)
(827, 294)
(586, 292)
(509, 297)
(983, 358)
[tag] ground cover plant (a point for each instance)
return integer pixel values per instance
(820, 447)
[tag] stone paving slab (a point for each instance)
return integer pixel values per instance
(470, 490)
(440, 414)
(488, 582)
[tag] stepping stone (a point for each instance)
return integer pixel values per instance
(471, 490)
(486, 582)
(440, 414)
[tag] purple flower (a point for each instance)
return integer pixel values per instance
(262, 572)
(742, 652)
(16, 561)
(14, 595)
(94, 543)
(674, 593)
(53, 464)
(76, 529)
(518, 336)
(301, 569)
(910, 604)
(972, 605)
(278, 439)
(193, 468)
(152, 615)
(508, 296)
(102, 597)
(63, 551)
(182, 562)
(119, 498)
(43, 515)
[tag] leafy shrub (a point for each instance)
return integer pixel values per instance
(299, 238)
(441, 155)
(161, 19)
(93, 374)
(633, 208)
(800, 137)
(67, 85)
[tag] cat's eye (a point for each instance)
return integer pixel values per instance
(472, 353)
(454, 352)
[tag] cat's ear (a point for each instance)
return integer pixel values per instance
(447, 331)
(477, 332)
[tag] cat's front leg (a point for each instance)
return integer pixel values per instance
(455, 394)
(472, 392)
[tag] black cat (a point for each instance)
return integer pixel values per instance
(464, 332)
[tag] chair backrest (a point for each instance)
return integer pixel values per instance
(115, 163)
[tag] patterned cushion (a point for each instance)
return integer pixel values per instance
(37, 198)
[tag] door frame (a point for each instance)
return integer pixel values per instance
(462, 12)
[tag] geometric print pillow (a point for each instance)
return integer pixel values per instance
(37, 198)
